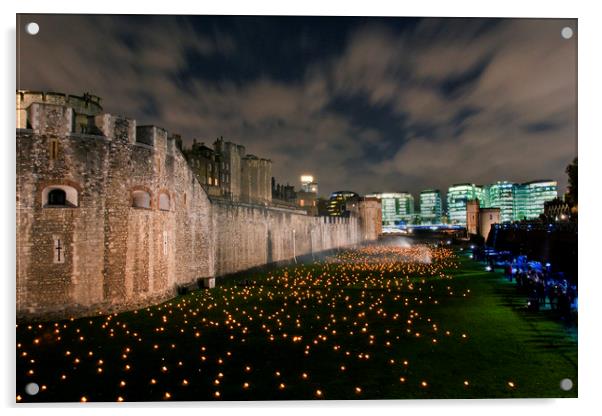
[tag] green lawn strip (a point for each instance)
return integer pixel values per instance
(504, 344)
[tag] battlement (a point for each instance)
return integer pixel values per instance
(110, 219)
(63, 114)
(87, 103)
(60, 120)
(227, 147)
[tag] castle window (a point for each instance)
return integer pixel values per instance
(141, 199)
(54, 149)
(59, 196)
(164, 203)
(58, 249)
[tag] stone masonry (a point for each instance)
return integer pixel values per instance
(134, 223)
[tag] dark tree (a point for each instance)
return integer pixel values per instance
(571, 170)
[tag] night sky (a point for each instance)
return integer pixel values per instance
(363, 104)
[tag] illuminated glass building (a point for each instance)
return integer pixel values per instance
(407, 207)
(520, 203)
(337, 204)
(308, 184)
(501, 195)
(515, 201)
(531, 197)
(457, 196)
(430, 206)
(397, 207)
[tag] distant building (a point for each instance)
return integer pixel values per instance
(256, 174)
(323, 204)
(479, 220)
(339, 201)
(397, 207)
(501, 195)
(531, 197)
(488, 217)
(457, 197)
(370, 214)
(224, 170)
(472, 216)
(307, 197)
(308, 201)
(520, 201)
(430, 206)
(283, 193)
(231, 155)
(557, 210)
(516, 201)
(308, 184)
(206, 164)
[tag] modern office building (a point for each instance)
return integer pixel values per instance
(515, 201)
(520, 203)
(337, 204)
(430, 206)
(308, 184)
(397, 207)
(500, 195)
(407, 207)
(457, 196)
(534, 195)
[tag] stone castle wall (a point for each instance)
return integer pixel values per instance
(251, 235)
(117, 256)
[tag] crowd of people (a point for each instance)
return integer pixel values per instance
(543, 287)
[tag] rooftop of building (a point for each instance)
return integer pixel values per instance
(539, 181)
(86, 96)
(389, 194)
(455, 185)
(344, 193)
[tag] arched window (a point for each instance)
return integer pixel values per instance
(141, 199)
(60, 196)
(164, 203)
(57, 197)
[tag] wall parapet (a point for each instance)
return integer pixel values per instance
(119, 251)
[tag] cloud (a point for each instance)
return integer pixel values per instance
(436, 102)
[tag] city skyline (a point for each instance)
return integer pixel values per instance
(354, 101)
(266, 208)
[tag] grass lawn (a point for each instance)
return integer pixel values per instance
(362, 325)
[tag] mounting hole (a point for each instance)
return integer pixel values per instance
(566, 384)
(566, 32)
(32, 28)
(32, 389)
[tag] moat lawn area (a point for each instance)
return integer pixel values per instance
(372, 323)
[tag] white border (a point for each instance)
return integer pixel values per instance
(590, 71)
